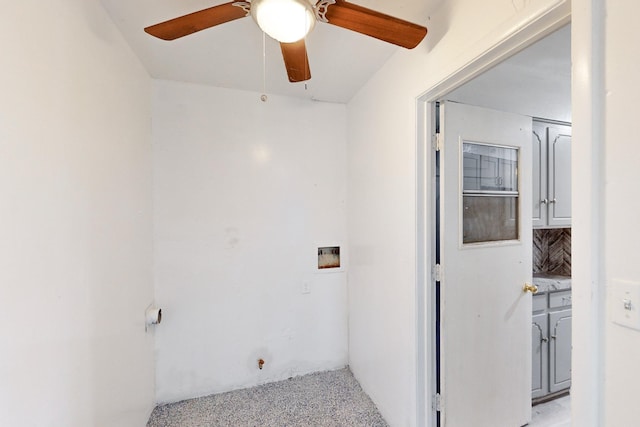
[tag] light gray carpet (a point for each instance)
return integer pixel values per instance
(331, 398)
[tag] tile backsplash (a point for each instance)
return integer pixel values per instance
(552, 251)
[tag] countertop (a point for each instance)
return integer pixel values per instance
(550, 282)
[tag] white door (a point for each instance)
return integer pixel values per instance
(485, 256)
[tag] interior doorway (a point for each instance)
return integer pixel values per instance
(509, 77)
(536, 82)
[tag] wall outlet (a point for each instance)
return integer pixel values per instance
(306, 287)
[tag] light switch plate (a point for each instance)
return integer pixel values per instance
(625, 303)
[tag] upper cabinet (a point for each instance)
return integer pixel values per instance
(551, 175)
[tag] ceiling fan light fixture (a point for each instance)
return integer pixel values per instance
(287, 21)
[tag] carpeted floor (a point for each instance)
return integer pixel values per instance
(325, 399)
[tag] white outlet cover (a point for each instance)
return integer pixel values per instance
(625, 303)
(306, 287)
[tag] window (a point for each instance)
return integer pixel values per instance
(489, 193)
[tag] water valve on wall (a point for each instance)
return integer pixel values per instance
(153, 316)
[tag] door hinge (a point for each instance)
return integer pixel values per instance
(437, 402)
(437, 273)
(437, 141)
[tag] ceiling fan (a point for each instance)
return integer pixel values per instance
(289, 21)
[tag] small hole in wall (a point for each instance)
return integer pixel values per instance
(329, 257)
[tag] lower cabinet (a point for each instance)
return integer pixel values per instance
(559, 350)
(551, 343)
(540, 346)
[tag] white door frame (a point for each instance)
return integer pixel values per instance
(587, 17)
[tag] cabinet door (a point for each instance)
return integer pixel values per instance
(539, 174)
(540, 350)
(559, 184)
(559, 350)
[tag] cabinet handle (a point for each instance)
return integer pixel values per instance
(543, 201)
(552, 201)
(544, 339)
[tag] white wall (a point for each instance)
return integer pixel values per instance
(244, 193)
(621, 201)
(382, 189)
(75, 220)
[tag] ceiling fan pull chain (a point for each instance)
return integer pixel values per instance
(321, 9)
(263, 97)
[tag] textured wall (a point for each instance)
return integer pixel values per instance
(621, 202)
(382, 199)
(75, 220)
(244, 193)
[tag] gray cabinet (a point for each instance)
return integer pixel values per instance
(559, 350)
(540, 347)
(551, 175)
(551, 343)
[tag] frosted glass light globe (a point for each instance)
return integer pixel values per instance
(284, 20)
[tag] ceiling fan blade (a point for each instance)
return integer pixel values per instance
(375, 24)
(296, 61)
(197, 21)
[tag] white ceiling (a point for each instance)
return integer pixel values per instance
(534, 82)
(231, 55)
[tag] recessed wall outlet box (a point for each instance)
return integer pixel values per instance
(625, 303)
(329, 257)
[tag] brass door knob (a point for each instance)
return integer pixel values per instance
(528, 287)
